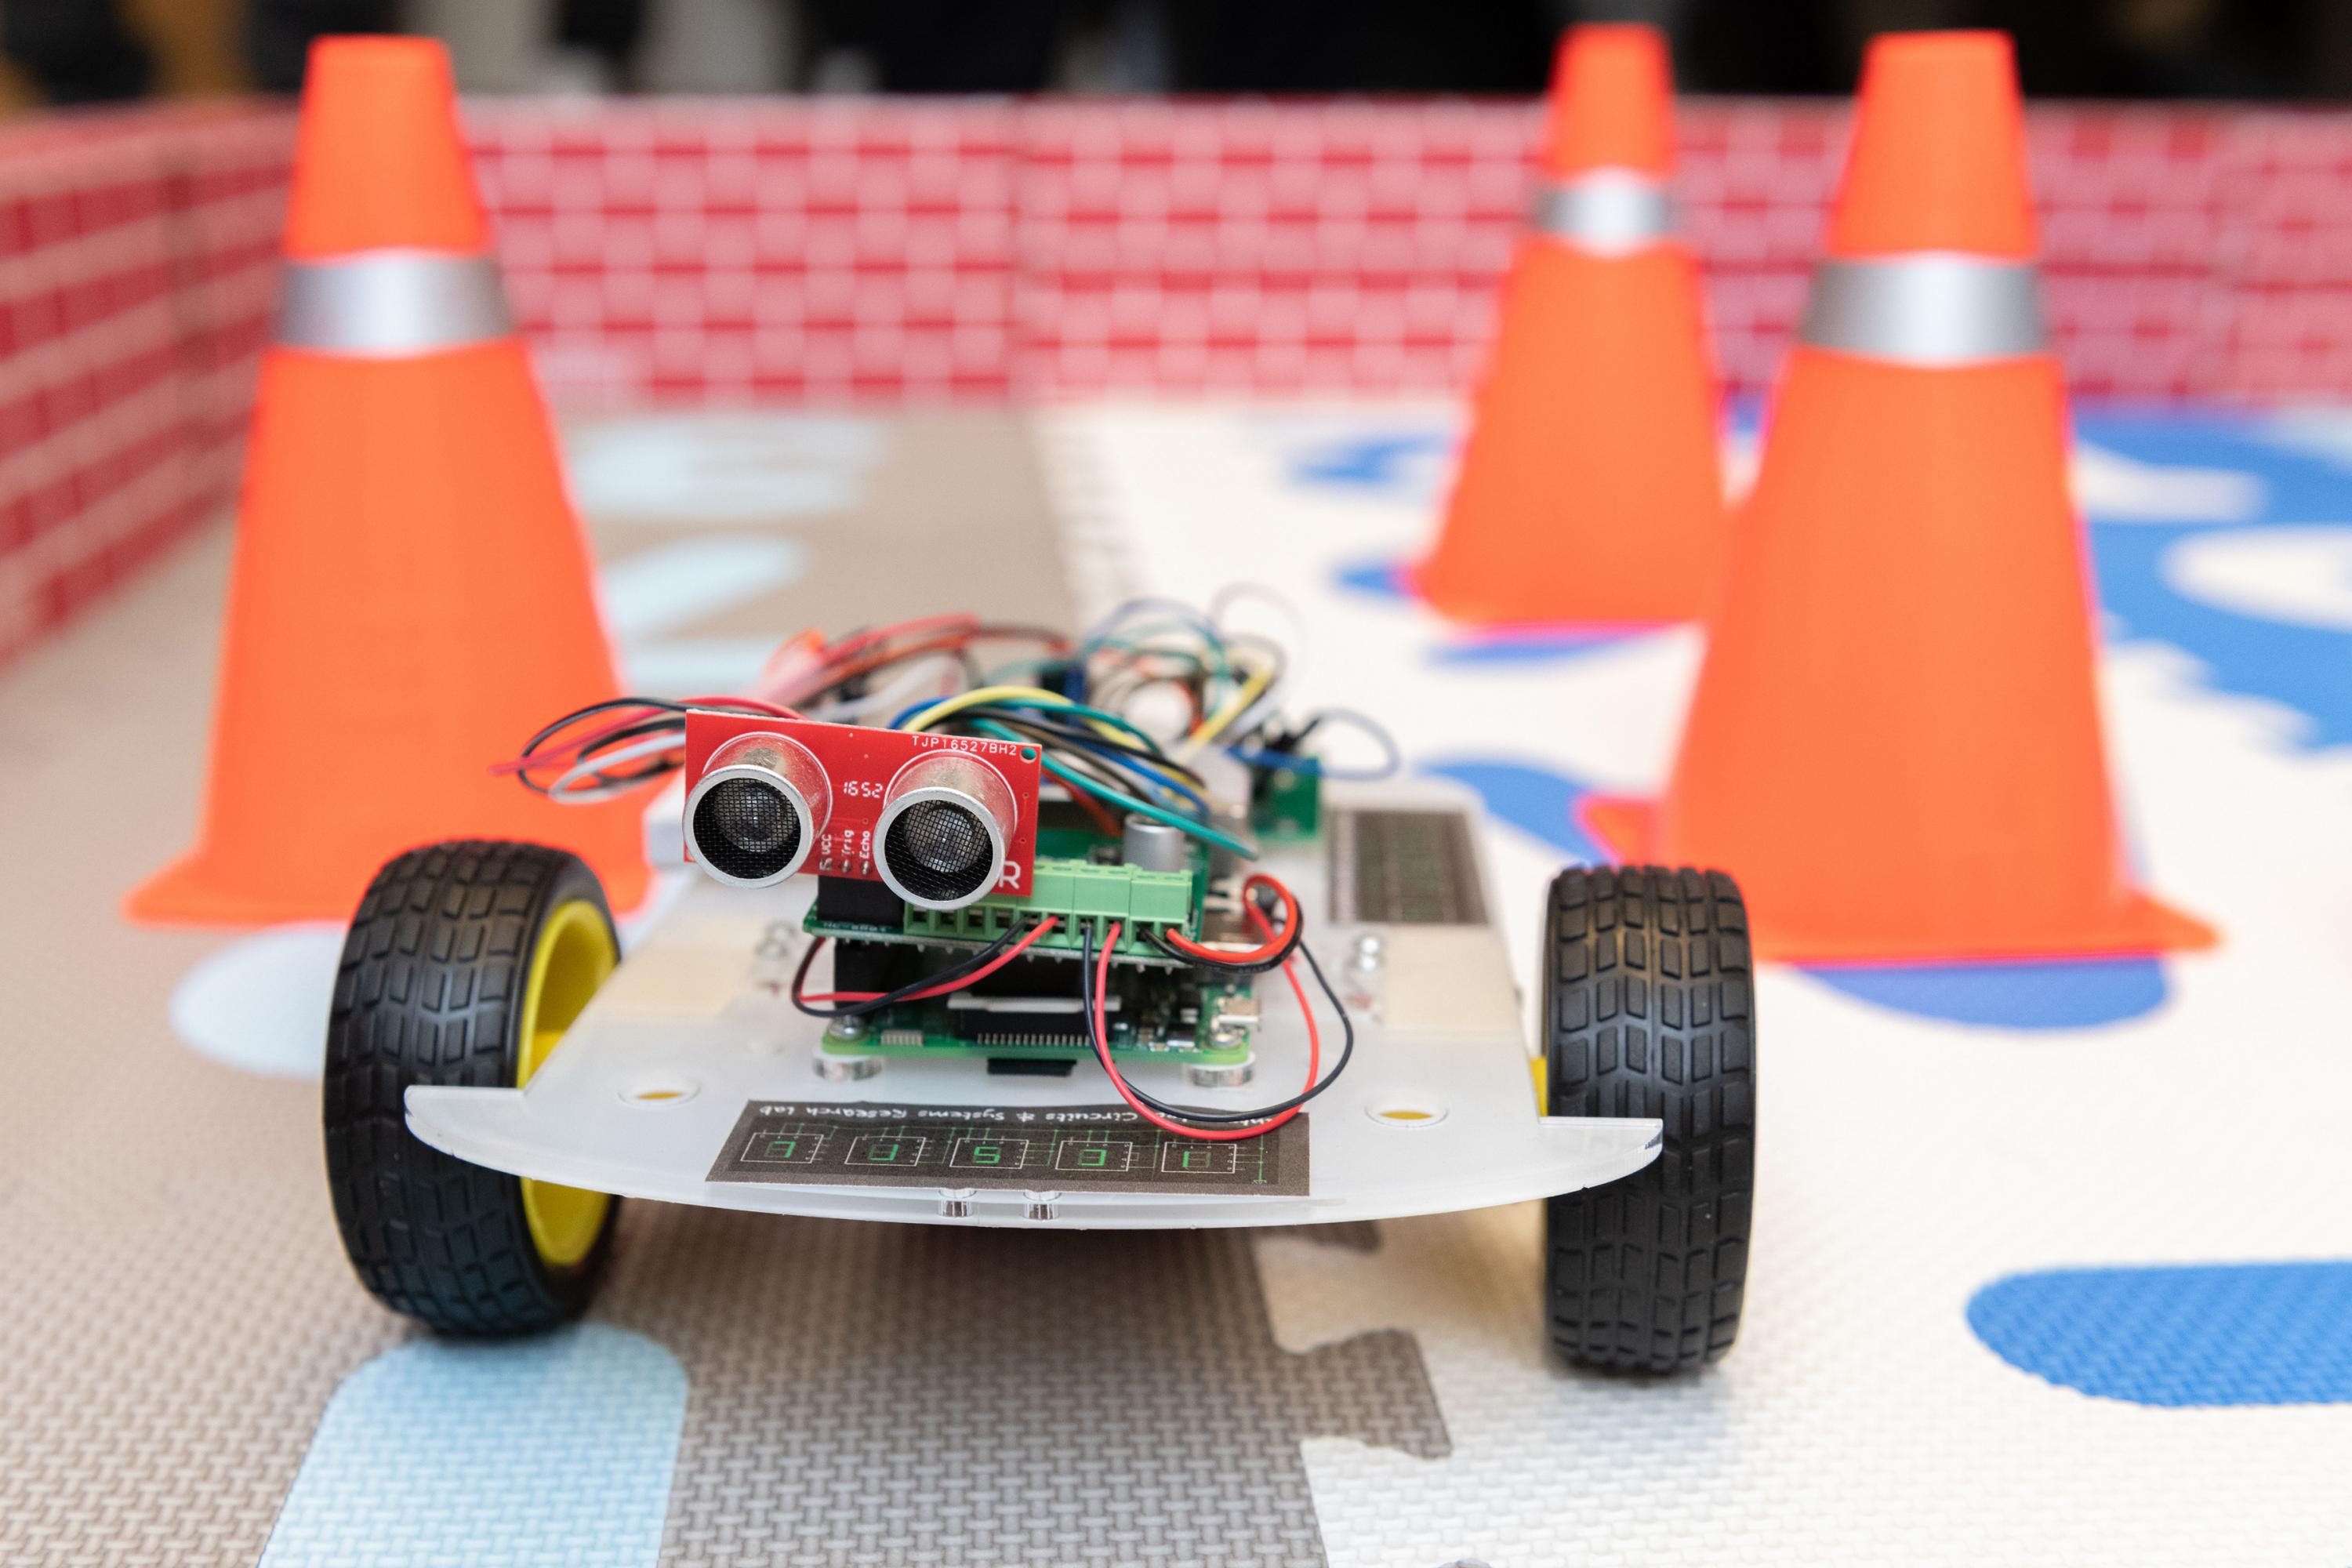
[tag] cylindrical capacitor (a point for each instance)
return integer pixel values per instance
(1153, 846)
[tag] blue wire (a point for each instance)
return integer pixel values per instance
(1392, 760)
(1149, 767)
(1152, 772)
(1120, 797)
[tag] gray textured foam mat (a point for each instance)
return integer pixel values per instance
(175, 1315)
(873, 1392)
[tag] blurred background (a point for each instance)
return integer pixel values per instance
(78, 51)
(878, 205)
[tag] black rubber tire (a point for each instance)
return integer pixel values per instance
(1649, 1011)
(430, 992)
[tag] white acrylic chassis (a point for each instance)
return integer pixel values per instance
(1437, 1111)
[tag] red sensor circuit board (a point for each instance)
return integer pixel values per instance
(863, 776)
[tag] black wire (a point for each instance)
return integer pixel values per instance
(1068, 730)
(1100, 763)
(628, 732)
(1223, 967)
(606, 781)
(1092, 762)
(659, 704)
(1202, 1113)
(954, 972)
(528, 758)
(1291, 934)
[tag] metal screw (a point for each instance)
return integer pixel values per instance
(1231, 1075)
(845, 1069)
(1372, 948)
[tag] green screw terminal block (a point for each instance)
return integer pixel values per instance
(1077, 892)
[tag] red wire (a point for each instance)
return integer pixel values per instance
(1102, 1043)
(983, 972)
(851, 643)
(1184, 943)
(950, 642)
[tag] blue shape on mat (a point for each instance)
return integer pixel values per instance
(2200, 1335)
(1382, 578)
(1535, 800)
(2305, 667)
(548, 1453)
(2070, 995)
(2073, 995)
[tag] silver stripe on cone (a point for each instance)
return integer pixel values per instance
(1930, 308)
(391, 304)
(1609, 212)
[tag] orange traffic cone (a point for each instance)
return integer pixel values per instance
(410, 594)
(1895, 744)
(1590, 487)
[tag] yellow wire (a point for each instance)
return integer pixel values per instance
(1210, 728)
(964, 699)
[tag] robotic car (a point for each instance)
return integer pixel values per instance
(1110, 943)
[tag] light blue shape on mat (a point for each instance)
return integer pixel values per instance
(1408, 465)
(2182, 1335)
(548, 1453)
(1535, 800)
(1526, 645)
(2074, 994)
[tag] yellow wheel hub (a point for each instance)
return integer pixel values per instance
(573, 955)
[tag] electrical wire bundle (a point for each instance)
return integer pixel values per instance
(641, 740)
(1105, 760)
(1282, 948)
(1093, 743)
(1083, 704)
(1234, 677)
(958, 976)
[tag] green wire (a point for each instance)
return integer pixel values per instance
(1131, 639)
(1120, 797)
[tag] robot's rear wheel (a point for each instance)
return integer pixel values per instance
(1649, 1011)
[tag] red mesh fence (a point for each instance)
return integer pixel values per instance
(137, 254)
(880, 251)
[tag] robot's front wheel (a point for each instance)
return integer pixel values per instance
(465, 965)
(1649, 1011)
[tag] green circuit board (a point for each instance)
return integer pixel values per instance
(1158, 1005)
(1170, 1014)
